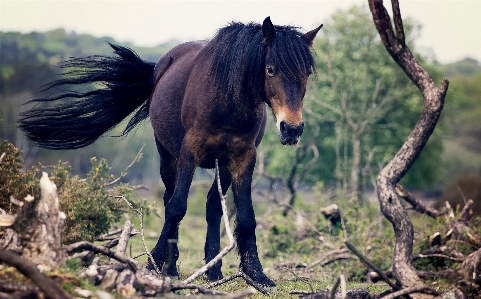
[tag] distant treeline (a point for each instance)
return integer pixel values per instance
(27, 61)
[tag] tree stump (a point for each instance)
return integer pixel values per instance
(38, 228)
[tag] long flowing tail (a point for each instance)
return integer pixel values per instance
(112, 88)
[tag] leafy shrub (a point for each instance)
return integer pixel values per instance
(91, 208)
(14, 182)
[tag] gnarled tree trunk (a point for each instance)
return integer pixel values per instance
(391, 207)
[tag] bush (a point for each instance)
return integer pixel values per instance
(14, 182)
(91, 208)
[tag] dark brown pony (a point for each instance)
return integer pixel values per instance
(206, 101)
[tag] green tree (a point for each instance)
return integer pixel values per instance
(359, 109)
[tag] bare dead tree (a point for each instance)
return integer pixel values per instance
(295, 175)
(391, 174)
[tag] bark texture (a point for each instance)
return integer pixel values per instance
(43, 243)
(391, 207)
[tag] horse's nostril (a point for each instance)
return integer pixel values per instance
(282, 126)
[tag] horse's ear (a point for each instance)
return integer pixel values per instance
(268, 30)
(309, 36)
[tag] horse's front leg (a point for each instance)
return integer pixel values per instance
(242, 169)
(175, 210)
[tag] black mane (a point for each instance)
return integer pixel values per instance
(239, 57)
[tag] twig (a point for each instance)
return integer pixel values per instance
(419, 256)
(254, 284)
(124, 173)
(2, 156)
(224, 280)
(29, 269)
(227, 229)
(141, 216)
(320, 260)
(108, 236)
(13, 286)
(139, 255)
(332, 293)
(203, 290)
(371, 265)
(124, 238)
(417, 289)
(84, 245)
(342, 278)
(417, 204)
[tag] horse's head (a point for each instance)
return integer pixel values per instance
(288, 64)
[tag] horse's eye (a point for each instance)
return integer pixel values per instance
(270, 70)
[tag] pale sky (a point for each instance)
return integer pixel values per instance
(451, 29)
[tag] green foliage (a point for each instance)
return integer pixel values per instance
(355, 73)
(14, 182)
(91, 208)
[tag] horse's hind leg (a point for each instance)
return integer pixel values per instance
(213, 216)
(168, 168)
(175, 209)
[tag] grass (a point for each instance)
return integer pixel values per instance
(192, 232)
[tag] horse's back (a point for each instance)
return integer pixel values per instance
(171, 74)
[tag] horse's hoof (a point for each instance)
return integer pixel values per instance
(214, 275)
(260, 278)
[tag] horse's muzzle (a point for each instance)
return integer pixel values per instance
(289, 134)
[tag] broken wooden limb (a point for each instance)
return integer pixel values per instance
(366, 261)
(123, 239)
(15, 286)
(468, 275)
(322, 260)
(141, 216)
(84, 245)
(29, 269)
(332, 213)
(417, 289)
(417, 204)
(325, 294)
(228, 231)
(125, 284)
(109, 236)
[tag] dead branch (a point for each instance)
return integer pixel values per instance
(231, 245)
(366, 261)
(391, 174)
(29, 269)
(325, 294)
(84, 245)
(213, 293)
(2, 156)
(332, 293)
(417, 289)
(15, 286)
(141, 216)
(247, 279)
(124, 173)
(330, 253)
(109, 236)
(468, 274)
(123, 239)
(443, 256)
(417, 204)
(460, 229)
